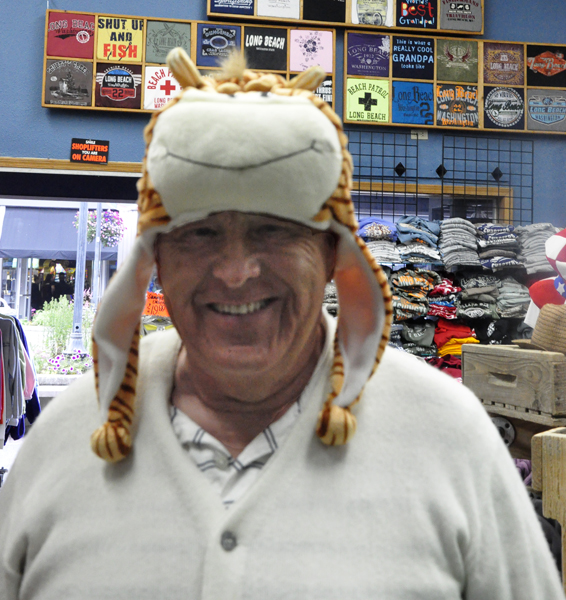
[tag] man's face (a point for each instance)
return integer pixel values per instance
(245, 291)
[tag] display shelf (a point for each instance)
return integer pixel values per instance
(463, 18)
(97, 61)
(454, 83)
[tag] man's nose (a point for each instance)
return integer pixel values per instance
(236, 263)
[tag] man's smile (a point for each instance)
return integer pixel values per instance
(239, 309)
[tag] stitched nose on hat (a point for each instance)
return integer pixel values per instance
(550, 328)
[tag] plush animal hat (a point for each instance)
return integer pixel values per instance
(254, 143)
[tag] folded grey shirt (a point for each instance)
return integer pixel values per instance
(419, 333)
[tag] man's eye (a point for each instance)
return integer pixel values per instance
(270, 229)
(203, 232)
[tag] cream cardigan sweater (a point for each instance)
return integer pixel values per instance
(424, 503)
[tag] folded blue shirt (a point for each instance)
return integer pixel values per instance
(373, 228)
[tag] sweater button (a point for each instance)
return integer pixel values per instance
(228, 541)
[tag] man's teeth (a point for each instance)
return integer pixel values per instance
(239, 309)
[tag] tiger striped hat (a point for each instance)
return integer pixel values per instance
(254, 143)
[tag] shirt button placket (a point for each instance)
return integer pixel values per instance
(228, 541)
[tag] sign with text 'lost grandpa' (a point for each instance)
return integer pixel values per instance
(90, 151)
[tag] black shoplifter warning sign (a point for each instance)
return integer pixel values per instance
(90, 151)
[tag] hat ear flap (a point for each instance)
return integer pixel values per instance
(336, 424)
(113, 440)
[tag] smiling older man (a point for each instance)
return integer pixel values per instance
(230, 466)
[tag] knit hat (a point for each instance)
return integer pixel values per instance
(550, 330)
(254, 143)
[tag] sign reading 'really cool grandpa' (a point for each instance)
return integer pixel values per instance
(413, 58)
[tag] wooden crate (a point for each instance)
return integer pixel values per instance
(515, 379)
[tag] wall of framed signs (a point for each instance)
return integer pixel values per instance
(444, 16)
(451, 83)
(116, 62)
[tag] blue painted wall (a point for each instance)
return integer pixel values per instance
(28, 130)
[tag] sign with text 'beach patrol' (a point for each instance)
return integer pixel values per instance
(367, 100)
(159, 87)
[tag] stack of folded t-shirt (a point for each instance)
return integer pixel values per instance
(416, 229)
(395, 338)
(498, 247)
(418, 240)
(450, 336)
(458, 243)
(478, 298)
(409, 289)
(418, 337)
(503, 331)
(417, 253)
(380, 236)
(442, 299)
(513, 300)
(372, 229)
(330, 301)
(532, 240)
(384, 251)
(450, 364)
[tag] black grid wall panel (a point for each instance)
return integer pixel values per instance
(488, 179)
(385, 173)
(479, 178)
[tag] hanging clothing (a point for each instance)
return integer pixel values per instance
(21, 399)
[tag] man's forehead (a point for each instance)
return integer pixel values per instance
(232, 218)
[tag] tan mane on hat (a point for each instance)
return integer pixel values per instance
(336, 425)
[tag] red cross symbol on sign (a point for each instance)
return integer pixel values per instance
(168, 87)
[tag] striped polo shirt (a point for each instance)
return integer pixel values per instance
(230, 476)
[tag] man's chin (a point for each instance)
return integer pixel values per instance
(242, 358)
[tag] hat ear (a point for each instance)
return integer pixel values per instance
(309, 79)
(184, 69)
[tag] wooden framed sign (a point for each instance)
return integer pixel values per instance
(437, 16)
(108, 62)
(454, 83)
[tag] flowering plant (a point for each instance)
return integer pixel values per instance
(70, 364)
(111, 227)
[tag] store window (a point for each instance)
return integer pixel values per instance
(38, 251)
